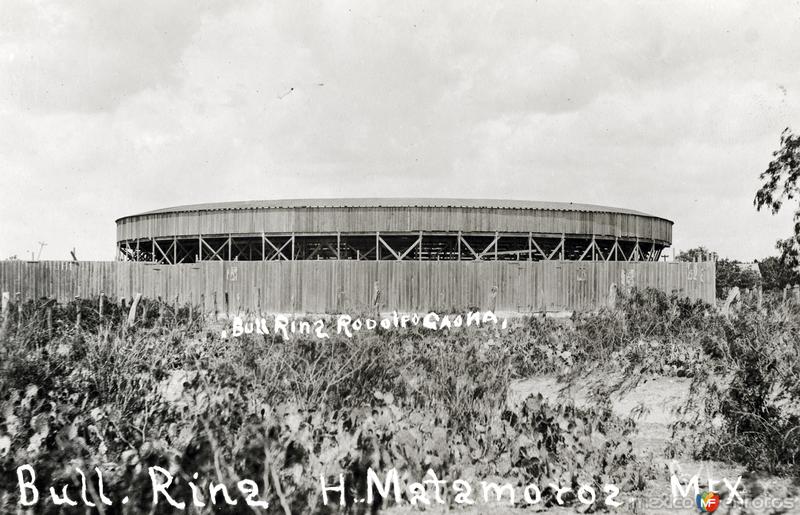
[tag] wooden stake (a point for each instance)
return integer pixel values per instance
(132, 312)
(5, 316)
(492, 299)
(19, 311)
(50, 322)
(78, 309)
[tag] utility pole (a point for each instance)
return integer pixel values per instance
(41, 246)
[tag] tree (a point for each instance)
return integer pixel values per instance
(696, 254)
(776, 274)
(730, 274)
(780, 183)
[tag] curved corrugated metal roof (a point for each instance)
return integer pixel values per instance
(393, 202)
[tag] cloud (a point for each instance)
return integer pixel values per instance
(90, 56)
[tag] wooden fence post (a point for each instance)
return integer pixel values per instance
(4, 313)
(19, 311)
(492, 304)
(132, 312)
(78, 310)
(49, 320)
(733, 296)
(376, 297)
(100, 307)
(612, 297)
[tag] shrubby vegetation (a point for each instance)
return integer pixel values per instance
(170, 392)
(745, 405)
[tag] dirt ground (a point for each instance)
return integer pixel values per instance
(659, 396)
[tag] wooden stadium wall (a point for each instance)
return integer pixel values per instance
(349, 286)
(393, 219)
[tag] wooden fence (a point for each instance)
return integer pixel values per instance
(354, 286)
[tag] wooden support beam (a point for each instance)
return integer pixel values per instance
(559, 247)
(164, 254)
(489, 247)
(538, 248)
(395, 254)
(184, 253)
(338, 245)
(599, 251)
(416, 244)
(334, 250)
(458, 245)
(315, 252)
(278, 251)
(247, 250)
(590, 247)
(215, 253)
(530, 246)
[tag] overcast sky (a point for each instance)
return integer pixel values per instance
(109, 109)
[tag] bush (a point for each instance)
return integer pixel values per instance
(745, 407)
(171, 393)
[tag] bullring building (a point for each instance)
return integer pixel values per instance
(391, 229)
